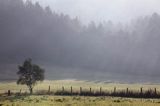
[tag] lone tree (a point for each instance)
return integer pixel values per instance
(29, 74)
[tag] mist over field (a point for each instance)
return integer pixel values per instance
(68, 48)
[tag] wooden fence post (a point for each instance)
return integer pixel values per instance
(71, 90)
(127, 91)
(62, 90)
(80, 90)
(114, 89)
(141, 90)
(155, 91)
(49, 88)
(100, 90)
(90, 90)
(9, 93)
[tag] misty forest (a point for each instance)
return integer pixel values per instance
(69, 49)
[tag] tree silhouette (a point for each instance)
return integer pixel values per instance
(30, 74)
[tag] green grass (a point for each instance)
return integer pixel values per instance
(46, 100)
(57, 85)
(76, 101)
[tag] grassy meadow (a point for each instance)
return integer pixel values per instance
(52, 100)
(76, 84)
(76, 101)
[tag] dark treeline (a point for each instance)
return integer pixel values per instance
(94, 51)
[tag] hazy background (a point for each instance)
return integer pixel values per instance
(100, 10)
(65, 41)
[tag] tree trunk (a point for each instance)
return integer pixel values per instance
(30, 89)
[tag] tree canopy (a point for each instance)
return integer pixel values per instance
(29, 74)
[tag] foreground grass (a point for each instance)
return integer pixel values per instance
(75, 101)
(46, 100)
